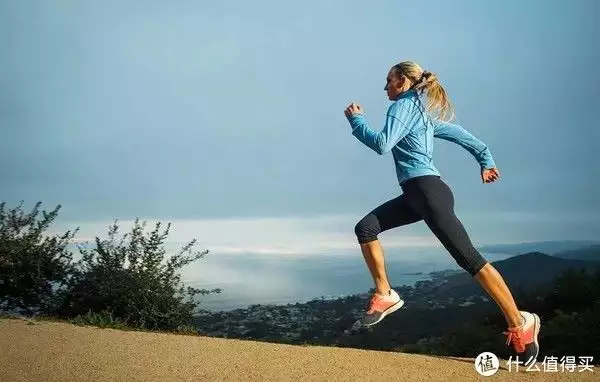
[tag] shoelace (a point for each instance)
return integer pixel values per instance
(516, 339)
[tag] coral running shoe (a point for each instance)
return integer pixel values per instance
(381, 306)
(524, 338)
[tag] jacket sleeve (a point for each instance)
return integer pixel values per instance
(456, 134)
(383, 141)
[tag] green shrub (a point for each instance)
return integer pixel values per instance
(132, 278)
(103, 319)
(33, 265)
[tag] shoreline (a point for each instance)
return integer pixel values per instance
(423, 276)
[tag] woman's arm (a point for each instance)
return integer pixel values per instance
(456, 134)
(380, 142)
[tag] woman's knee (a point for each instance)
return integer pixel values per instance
(472, 262)
(367, 229)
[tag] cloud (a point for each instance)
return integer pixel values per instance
(334, 234)
(268, 236)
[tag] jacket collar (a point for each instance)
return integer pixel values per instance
(408, 93)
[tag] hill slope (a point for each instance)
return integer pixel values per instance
(525, 271)
(550, 247)
(591, 253)
(52, 351)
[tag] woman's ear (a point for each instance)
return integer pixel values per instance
(403, 82)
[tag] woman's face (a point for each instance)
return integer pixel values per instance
(395, 85)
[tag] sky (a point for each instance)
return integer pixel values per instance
(226, 118)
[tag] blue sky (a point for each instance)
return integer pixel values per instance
(227, 118)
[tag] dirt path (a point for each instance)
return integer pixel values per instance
(51, 351)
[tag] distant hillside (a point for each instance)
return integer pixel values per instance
(549, 247)
(526, 272)
(591, 253)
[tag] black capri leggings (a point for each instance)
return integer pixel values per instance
(425, 198)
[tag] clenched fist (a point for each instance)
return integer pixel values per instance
(353, 109)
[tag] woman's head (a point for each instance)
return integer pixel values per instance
(408, 75)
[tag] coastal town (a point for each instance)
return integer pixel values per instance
(321, 318)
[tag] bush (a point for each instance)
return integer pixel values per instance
(574, 290)
(33, 266)
(572, 334)
(131, 279)
(102, 319)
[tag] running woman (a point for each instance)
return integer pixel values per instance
(420, 111)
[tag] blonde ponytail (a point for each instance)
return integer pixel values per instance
(438, 102)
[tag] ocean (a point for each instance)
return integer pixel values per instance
(247, 279)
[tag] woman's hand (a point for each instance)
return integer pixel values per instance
(353, 109)
(489, 175)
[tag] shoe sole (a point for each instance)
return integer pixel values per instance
(386, 312)
(536, 326)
